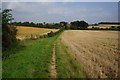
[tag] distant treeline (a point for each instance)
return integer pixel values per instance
(62, 25)
(75, 25)
(111, 23)
(39, 25)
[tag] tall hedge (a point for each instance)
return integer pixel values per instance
(8, 31)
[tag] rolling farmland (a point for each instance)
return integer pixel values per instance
(78, 54)
(97, 51)
(59, 40)
(26, 32)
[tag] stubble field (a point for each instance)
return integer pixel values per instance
(27, 32)
(97, 51)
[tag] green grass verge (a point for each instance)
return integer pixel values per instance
(32, 61)
(67, 65)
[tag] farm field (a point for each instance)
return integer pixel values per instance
(100, 26)
(27, 32)
(103, 26)
(97, 51)
(33, 59)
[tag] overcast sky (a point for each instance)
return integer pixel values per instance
(60, 0)
(52, 12)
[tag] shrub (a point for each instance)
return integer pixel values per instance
(51, 34)
(8, 31)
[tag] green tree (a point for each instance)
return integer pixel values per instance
(74, 24)
(79, 25)
(64, 24)
(83, 25)
(8, 31)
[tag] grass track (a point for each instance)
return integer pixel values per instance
(34, 59)
(31, 62)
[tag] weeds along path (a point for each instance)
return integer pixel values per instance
(53, 73)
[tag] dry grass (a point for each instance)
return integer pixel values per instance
(26, 32)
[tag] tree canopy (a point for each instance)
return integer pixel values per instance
(79, 25)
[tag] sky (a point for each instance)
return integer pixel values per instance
(55, 12)
(60, 0)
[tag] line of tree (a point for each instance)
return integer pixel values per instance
(39, 25)
(64, 25)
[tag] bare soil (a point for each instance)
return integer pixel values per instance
(97, 51)
(53, 73)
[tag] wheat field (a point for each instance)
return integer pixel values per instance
(26, 32)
